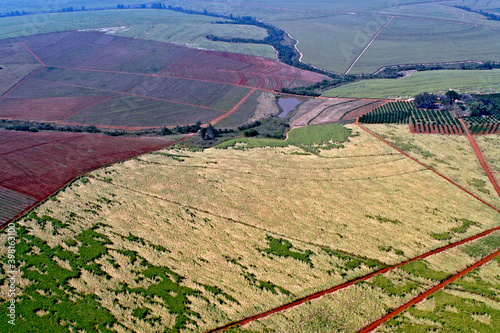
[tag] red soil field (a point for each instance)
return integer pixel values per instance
(37, 164)
(352, 115)
(203, 84)
(46, 109)
(12, 204)
(93, 50)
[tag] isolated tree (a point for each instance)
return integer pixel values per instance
(211, 132)
(452, 95)
(425, 101)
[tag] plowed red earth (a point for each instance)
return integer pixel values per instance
(46, 109)
(98, 65)
(35, 165)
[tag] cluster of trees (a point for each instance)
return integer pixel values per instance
(16, 13)
(394, 71)
(30, 126)
(490, 16)
(473, 106)
(425, 100)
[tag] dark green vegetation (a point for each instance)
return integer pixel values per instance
(468, 304)
(51, 304)
(462, 228)
(283, 248)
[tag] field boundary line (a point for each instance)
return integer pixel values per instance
(368, 45)
(135, 95)
(154, 196)
(34, 55)
(91, 106)
(481, 158)
(429, 292)
(362, 106)
(18, 83)
(426, 166)
(236, 107)
(156, 75)
(352, 282)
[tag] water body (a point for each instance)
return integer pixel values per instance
(288, 104)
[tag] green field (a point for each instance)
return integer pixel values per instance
(332, 34)
(408, 41)
(319, 135)
(163, 26)
(433, 81)
(331, 41)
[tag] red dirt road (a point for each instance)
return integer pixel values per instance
(350, 283)
(427, 293)
(236, 107)
(481, 159)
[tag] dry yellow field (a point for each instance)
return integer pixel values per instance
(352, 308)
(194, 240)
(451, 155)
(490, 146)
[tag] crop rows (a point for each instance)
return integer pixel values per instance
(429, 121)
(41, 163)
(12, 203)
(436, 129)
(484, 125)
(398, 112)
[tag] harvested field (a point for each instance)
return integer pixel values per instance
(306, 118)
(358, 112)
(182, 85)
(131, 111)
(46, 109)
(242, 240)
(364, 302)
(451, 155)
(37, 164)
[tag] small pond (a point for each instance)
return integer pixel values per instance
(288, 104)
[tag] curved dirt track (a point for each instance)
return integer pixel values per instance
(350, 283)
(429, 292)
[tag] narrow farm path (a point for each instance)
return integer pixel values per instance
(427, 293)
(33, 53)
(368, 45)
(363, 278)
(425, 165)
(236, 107)
(19, 83)
(481, 158)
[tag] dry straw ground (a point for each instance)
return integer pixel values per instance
(239, 231)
